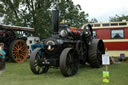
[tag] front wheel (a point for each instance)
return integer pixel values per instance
(36, 62)
(69, 62)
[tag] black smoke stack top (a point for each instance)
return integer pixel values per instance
(55, 20)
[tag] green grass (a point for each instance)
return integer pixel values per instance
(20, 74)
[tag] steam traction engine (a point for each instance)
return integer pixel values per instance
(15, 47)
(67, 48)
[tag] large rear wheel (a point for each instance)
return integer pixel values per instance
(18, 51)
(69, 62)
(96, 49)
(82, 52)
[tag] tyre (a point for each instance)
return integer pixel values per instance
(35, 62)
(96, 49)
(69, 62)
(18, 51)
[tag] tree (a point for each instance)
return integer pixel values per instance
(37, 14)
(118, 18)
(72, 13)
(93, 20)
(28, 13)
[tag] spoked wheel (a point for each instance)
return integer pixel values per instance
(18, 51)
(82, 52)
(69, 62)
(96, 49)
(35, 62)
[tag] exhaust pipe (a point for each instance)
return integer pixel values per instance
(55, 20)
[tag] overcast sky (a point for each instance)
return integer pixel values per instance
(103, 9)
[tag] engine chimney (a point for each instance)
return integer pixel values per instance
(55, 20)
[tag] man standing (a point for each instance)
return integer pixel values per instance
(2, 57)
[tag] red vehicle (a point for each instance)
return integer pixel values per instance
(114, 35)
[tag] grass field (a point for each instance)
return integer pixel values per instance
(20, 74)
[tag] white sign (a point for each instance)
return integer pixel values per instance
(105, 59)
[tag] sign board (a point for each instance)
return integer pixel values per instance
(105, 76)
(105, 59)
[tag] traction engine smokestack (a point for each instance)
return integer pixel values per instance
(55, 20)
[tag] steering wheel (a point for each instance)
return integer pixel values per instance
(87, 30)
(87, 33)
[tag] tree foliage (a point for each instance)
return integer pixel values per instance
(93, 20)
(118, 18)
(37, 14)
(72, 13)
